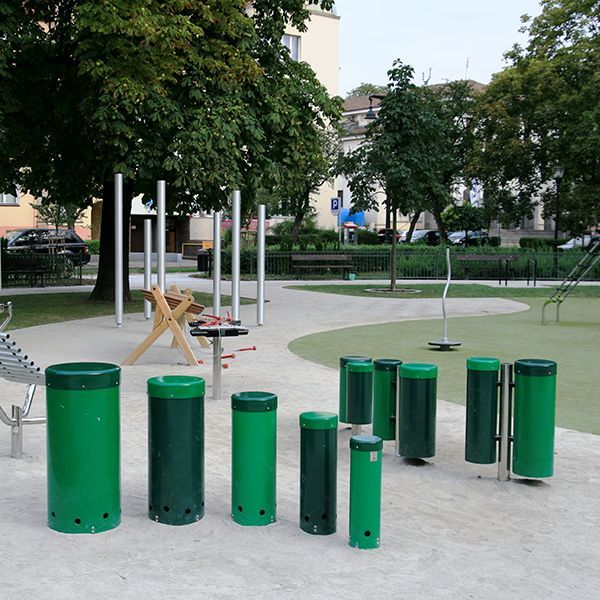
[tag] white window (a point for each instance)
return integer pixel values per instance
(8, 199)
(292, 43)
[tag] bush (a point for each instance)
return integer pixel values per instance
(93, 246)
(367, 237)
(535, 243)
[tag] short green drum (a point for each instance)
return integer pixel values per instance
(344, 360)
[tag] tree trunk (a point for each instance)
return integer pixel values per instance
(394, 258)
(105, 282)
(437, 215)
(298, 217)
(413, 224)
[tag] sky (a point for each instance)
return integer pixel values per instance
(440, 35)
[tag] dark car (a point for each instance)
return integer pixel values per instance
(49, 241)
(385, 236)
(431, 237)
(473, 238)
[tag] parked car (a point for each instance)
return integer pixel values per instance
(48, 241)
(473, 238)
(580, 242)
(431, 237)
(385, 235)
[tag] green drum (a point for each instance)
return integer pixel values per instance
(359, 393)
(318, 472)
(365, 491)
(417, 410)
(534, 417)
(253, 458)
(482, 409)
(344, 360)
(176, 449)
(385, 382)
(82, 407)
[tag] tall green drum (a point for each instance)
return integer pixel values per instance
(253, 458)
(385, 381)
(83, 454)
(344, 360)
(365, 491)
(175, 449)
(534, 417)
(318, 472)
(359, 393)
(416, 412)
(482, 409)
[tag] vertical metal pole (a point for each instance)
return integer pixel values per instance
(147, 264)
(161, 225)
(16, 437)
(235, 254)
(216, 382)
(118, 249)
(505, 414)
(260, 266)
(217, 263)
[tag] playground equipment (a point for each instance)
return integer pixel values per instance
(385, 391)
(253, 458)
(365, 491)
(416, 412)
(18, 367)
(343, 400)
(359, 394)
(118, 249)
(82, 407)
(176, 449)
(318, 472)
(531, 416)
(590, 257)
(260, 265)
(445, 343)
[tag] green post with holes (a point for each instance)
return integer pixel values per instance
(359, 393)
(253, 458)
(417, 410)
(83, 454)
(482, 410)
(318, 472)
(344, 360)
(534, 417)
(385, 382)
(175, 449)
(365, 491)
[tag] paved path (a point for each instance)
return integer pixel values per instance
(449, 529)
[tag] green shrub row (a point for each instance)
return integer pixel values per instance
(93, 246)
(535, 243)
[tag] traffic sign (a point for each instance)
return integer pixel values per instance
(335, 206)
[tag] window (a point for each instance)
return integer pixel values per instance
(8, 199)
(292, 43)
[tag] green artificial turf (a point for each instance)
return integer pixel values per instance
(574, 344)
(39, 309)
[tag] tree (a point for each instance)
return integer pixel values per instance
(541, 111)
(366, 89)
(59, 215)
(155, 90)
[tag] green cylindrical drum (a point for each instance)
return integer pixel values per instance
(365, 491)
(482, 409)
(417, 410)
(534, 415)
(82, 407)
(318, 472)
(344, 360)
(253, 457)
(359, 393)
(384, 397)
(175, 449)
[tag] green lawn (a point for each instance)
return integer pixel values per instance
(39, 309)
(573, 344)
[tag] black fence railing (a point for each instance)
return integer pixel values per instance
(20, 269)
(428, 263)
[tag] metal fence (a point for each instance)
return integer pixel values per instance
(21, 269)
(424, 264)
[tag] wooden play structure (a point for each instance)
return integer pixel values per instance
(173, 311)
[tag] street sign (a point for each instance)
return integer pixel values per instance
(335, 206)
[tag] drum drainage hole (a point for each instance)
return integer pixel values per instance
(240, 508)
(78, 521)
(202, 502)
(306, 518)
(261, 512)
(367, 533)
(324, 517)
(105, 515)
(166, 508)
(187, 511)
(149, 506)
(53, 514)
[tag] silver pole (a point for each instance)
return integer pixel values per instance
(448, 279)
(505, 410)
(147, 264)
(235, 254)
(216, 382)
(260, 265)
(118, 249)
(161, 226)
(16, 438)
(217, 263)
(397, 422)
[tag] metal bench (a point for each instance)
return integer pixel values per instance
(312, 262)
(503, 261)
(18, 367)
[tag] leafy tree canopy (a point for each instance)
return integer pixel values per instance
(366, 89)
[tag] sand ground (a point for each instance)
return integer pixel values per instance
(449, 528)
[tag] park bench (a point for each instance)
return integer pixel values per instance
(503, 261)
(312, 262)
(18, 367)
(173, 310)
